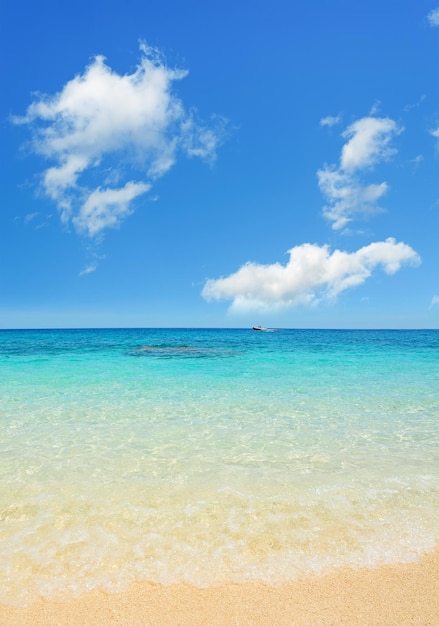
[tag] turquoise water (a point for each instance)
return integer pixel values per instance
(212, 456)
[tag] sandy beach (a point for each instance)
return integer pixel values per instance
(396, 595)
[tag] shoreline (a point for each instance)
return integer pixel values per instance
(391, 595)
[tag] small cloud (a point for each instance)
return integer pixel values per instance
(199, 140)
(312, 274)
(30, 217)
(435, 133)
(409, 107)
(434, 302)
(88, 270)
(368, 143)
(36, 219)
(433, 17)
(330, 120)
(417, 161)
(375, 108)
(348, 197)
(94, 259)
(106, 208)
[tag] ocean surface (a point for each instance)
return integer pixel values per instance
(212, 456)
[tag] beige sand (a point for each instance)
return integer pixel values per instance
(393, 595)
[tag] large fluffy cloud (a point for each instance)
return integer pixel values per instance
(313, 273)
(104, 129)
(367, 143)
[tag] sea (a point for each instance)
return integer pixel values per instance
(212, 456)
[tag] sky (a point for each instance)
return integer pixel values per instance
(219, 164)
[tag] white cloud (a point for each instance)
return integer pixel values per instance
(330, 120)
(30, 216)
(200, 140)
(311, 275)
(375, 108)
(36, 219)
(135, 119)
(433, 17)
(434, 301)
(418, 159)
(348, 197)
(368, 143)
(106, 208)
(409, 107)
(88, 270)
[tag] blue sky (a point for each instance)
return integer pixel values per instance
(220, 164)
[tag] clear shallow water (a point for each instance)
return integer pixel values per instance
(211, 456)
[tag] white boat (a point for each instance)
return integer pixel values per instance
(261, 328)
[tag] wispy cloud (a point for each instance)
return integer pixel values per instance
(368, 142)
(132, 125)
(417, 161)
(36, 220)
(433, 17)
(330, 120)
(435, 133)
(375, 108)
(434, 302)
(410, 107)
(312, 274)
(89, 269)
(29, 217)
(106, 208)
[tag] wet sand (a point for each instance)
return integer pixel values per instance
(397, 595)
